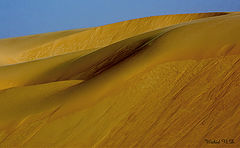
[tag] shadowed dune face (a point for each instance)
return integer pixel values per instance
(33, 47)
(163, 81)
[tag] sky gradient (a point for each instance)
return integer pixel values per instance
(25, 17)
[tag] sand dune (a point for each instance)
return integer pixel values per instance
(163, 81)
(51, 44)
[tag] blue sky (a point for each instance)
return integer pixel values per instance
(25, 17)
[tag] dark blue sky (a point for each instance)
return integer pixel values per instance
(24, 17)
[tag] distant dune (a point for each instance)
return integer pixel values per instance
(161, 81)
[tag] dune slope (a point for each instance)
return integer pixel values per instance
(164, 81)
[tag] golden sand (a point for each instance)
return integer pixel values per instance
(162, 81)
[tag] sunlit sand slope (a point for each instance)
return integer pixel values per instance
(21, 49)
(164, 81)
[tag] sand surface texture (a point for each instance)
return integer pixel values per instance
(161, 81)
